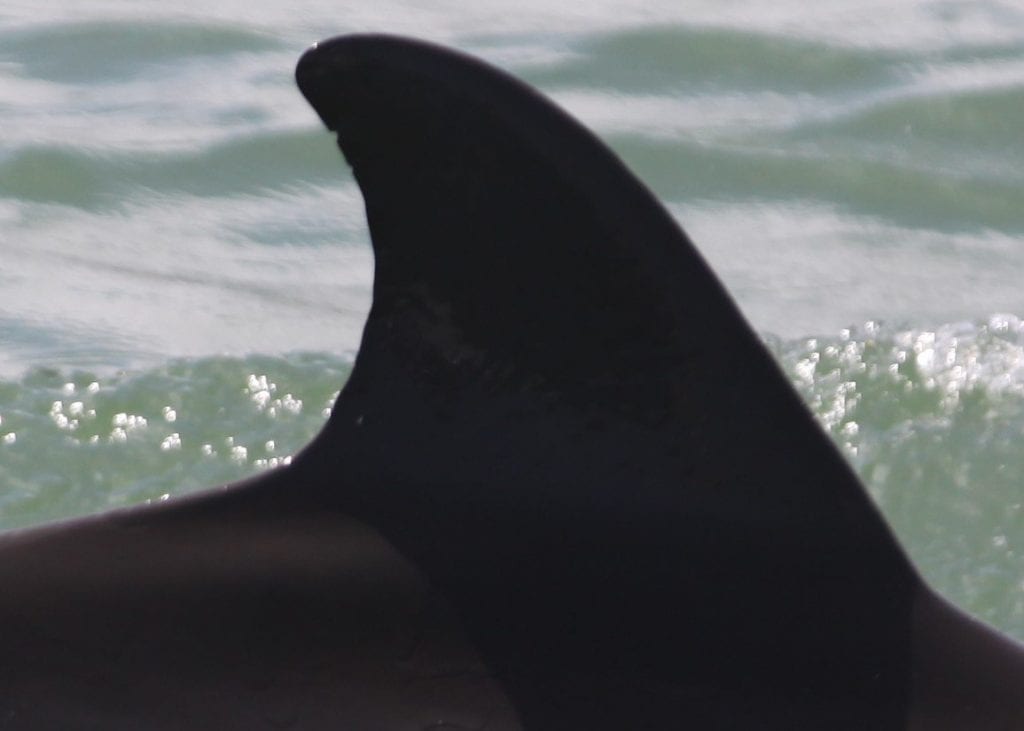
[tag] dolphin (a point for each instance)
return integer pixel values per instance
(565, 487)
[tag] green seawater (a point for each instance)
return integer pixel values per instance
(77, 442)
(932, 422)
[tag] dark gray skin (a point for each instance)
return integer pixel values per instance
(224, 612)
(965, 674)
(565, 487)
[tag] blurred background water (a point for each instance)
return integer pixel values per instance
(185, 267)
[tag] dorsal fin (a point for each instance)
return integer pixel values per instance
(558, 412)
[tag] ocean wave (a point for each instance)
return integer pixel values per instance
(115, 50)
(688, 58)
(930, 418)
(966, 125)
(83, 178)
(875, 182)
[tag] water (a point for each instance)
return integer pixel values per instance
(185, 267)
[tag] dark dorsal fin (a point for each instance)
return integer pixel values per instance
(558, 412)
